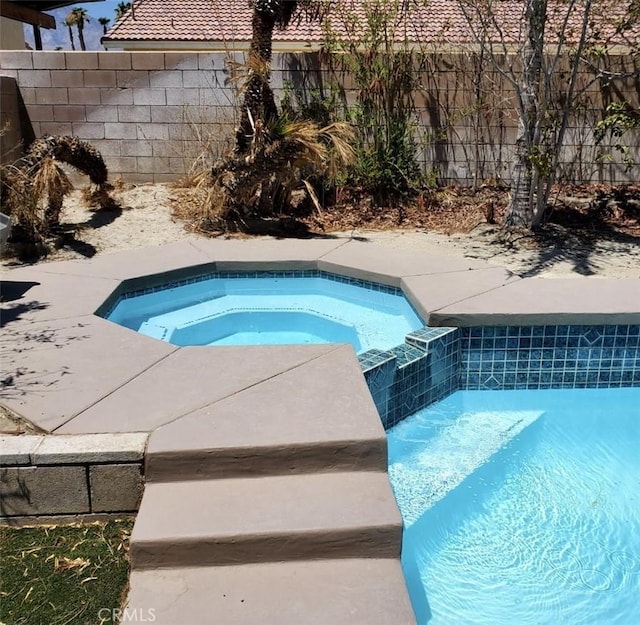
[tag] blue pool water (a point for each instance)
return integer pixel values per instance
(522, 507)
(270, 310)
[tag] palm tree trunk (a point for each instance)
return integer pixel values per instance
(73, 45)
(259, 103)
(81, 37)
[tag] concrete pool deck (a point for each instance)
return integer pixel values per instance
(243, 441)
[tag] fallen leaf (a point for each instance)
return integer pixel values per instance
(67, 564)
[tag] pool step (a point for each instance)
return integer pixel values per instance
(274, 504)
(235, 462)
(434, 467)
(322, 592)
(262, 519)
(315, 417)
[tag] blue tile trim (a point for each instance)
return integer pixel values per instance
(539, 357)
(374, 358)
(413, 375)
(295, 273)
(407, 354)
(492, 358)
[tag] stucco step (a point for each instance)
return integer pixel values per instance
(243, 520)
(264, 460)
(324, 592)
(317, 416)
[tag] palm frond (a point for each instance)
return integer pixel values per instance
(340, 136)
(311, 192)
(50, 181)
(295, 11)
(51, 184)
(306, 136)
(242, 73)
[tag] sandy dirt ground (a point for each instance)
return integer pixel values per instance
(145, 219)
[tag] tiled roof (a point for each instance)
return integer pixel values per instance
(433, 21)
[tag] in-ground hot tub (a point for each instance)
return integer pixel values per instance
(270, 308)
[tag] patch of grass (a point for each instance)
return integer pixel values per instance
(63, 575)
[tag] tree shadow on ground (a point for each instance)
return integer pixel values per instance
(63, 236)
(279, 227)
(11, 292)
(104, 211)
(16, 311)
(580, 234)
(80, 247)
(557, 245)
(610, 225)
(104, 208)
(102, 217)
(20, 376)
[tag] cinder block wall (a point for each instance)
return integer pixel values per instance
(15, 128)
(150, 114)
(49, 477)
(153, 114)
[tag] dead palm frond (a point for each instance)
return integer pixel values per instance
(196, 201)
(243, 73)
(340, 136)
(313, 196)
(305, 138)
(33, 188)
(328, 150)
(20, 201)
(286, 161)
(50, 185)
(71, 150)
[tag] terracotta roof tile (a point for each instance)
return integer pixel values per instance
(434, 21)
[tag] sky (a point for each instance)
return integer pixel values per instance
(59, 38)
(99, 9)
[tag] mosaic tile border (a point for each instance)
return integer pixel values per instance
(435, 362)
(411, 376)
(542, 357)
(291, 273)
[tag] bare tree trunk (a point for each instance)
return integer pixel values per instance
(522, 203)
(520, 209)
(545, 189)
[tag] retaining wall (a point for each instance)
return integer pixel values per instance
(57, 476)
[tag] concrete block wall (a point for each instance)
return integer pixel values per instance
(153, 114)
(149, 113)
(60, 476)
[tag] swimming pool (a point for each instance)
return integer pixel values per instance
(521, 507)
(266, 309)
